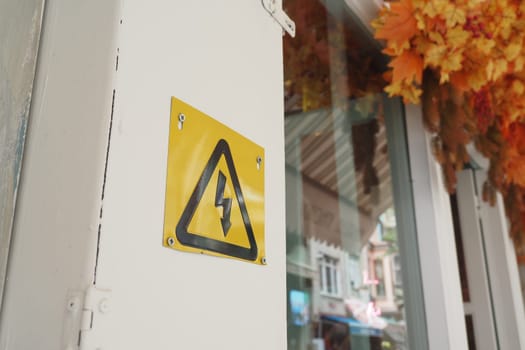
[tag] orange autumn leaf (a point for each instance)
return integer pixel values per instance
(473, 89)
(400, 24)
(515, 136)
(387, 76)
(407, 66)
(515, 167)
(460, 80)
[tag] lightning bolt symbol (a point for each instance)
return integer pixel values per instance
(225, 203)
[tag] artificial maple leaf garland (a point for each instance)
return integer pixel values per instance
(464, 60)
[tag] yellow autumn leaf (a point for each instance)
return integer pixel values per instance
(454, 15)
(419, 3)
(473, 4)
(434, 55)
(421, 21)
(412, 94)
(434, 8)
(514, 115)
(452, 61)
(394, 89)
(490, 68)
(409, 92)
(457, 37)
(505, 32)
(444, 77)
(437, 38)
(496, 68)
(484, 45)
(519, 63)
(518, 87)
(508, 19)
(512, 51)
(500, 68)
(477, 79)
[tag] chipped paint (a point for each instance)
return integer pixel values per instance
(20, 26)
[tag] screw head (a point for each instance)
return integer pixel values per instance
(103, 306)
(73, 304)
(171, 241)
(182, 117)
(263, 260)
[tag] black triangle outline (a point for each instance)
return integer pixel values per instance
(201, 242)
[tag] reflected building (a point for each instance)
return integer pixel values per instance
(342, 251)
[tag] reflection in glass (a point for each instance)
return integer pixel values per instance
(343, 268)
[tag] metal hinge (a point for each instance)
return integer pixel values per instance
(280, 16)
(478, 202)
(94, 317)
(86, 323)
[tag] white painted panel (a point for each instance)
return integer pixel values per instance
(439, 267)
(56, 223)
(224, 58)
(480, 306)
(503, 273)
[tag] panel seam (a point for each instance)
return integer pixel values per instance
(104, 186)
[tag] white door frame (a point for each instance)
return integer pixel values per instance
(437, 250)
(479, 305)
(503, 271)
(437, 247)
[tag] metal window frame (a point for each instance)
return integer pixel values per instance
(405, 205)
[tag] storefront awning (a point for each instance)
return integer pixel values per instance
(356, 327)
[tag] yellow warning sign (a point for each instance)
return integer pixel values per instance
(215, 188)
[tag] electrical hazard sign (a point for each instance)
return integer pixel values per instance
(214, 188)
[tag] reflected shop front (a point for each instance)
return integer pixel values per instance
(345, 264)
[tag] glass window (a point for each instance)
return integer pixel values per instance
(329, 276)
(379, 276)
(344, 257)
(397, 270)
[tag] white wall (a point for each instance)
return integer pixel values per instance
(56, 223)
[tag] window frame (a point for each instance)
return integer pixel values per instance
(379, 263)
(403, 195)
(396, 270)
(436, 242)
(331, 263)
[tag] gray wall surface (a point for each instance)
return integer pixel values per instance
(20, 26)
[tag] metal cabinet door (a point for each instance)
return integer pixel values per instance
(224, 58)
(89, 269)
